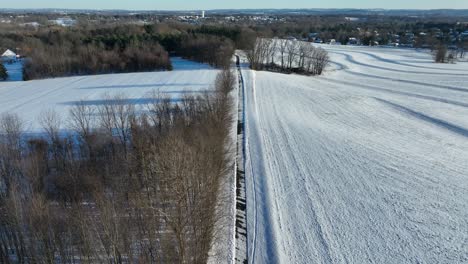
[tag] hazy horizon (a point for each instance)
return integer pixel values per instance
(177, 5)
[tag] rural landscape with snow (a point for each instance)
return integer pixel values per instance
(233, 136)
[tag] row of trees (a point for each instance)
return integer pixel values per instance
(64, 59)
(287, 56)
(122, 187)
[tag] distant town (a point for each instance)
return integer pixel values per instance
(420, 29)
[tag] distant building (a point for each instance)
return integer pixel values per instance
(464, 35)
(353, 41)
(352, 18)
(312, 36)
(31, 24)
(64, 21)
(9, 56)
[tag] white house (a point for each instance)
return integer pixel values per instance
(8, 56)
(64, 21)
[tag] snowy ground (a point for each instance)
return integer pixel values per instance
(367, 164)
(30, 98)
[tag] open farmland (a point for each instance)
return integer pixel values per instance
(29, 99)
(366, 164)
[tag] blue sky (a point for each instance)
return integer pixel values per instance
(238, 4)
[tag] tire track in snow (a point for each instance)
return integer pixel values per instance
(381, 77)
(313, 200)
(395, 62)
(11, 90)
(253, 179)
(432, 120)
(446, 87)
(48, 93)
(352, 60)
(263, 229)
(402, 93)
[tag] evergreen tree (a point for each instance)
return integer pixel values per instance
(3, 72)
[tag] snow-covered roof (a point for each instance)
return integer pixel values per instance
(9, 53)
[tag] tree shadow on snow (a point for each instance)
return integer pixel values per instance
(156, 85)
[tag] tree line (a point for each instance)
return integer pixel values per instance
(287, 56)
(187, 41)
(125, 185)
(116, 48)
(66, 59)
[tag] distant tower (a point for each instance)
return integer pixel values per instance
(203, 14)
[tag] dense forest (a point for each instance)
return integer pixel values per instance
(54, 51)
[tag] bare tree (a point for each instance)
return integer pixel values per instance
(225, 81)
(283, 45)
(272, 52)
(11, 128)
(304, 52)
(51, 122)
(82, 121)
(462, 46)
(309, 59)
(440, 54)
(10, 150)
(159, 109)
(116, 116)
(258, 55)
(320, 61)
(292, 53)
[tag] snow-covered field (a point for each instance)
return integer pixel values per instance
(366, 164)
(30, 99)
